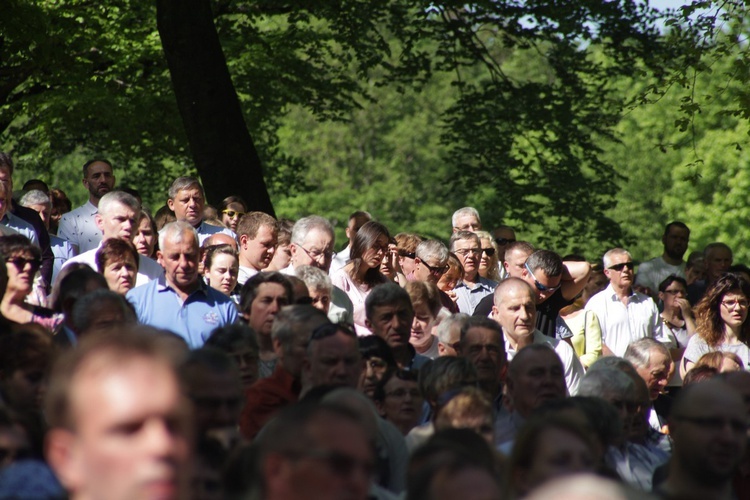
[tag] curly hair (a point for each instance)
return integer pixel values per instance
(709, 324)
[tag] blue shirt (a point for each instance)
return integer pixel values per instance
(468, 298)
(158, 304)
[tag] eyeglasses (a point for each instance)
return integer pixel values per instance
(731, 304)
(317, 254)
(539, 286)
(435, 271)
(489, 251)
(404, 253)
(675, 292)
(232, 214)
(20, 263)
(463, 252)
(504, 241)
(401, 393)
(621, 266)
(341, 464)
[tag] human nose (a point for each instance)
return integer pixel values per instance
(161, 438)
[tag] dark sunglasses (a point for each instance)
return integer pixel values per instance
(539, 286)
(232, 214)
(437, 271)
(404, 253)
(20, 263)
(504, 241)
(620, 267)
(489, 251)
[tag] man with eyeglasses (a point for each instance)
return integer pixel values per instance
(625, 315)
(312, 245)
(473, 287)
(430, 263)
(258, 233)
(708, 426)
(652, 272)
(356, 220)
(466, 219)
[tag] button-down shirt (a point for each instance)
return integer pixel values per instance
(148, 269)
(159, 305)
(468, 298)
(621, 324)
(62, 250)
(20, 226)
(571, 364)
(79, 227)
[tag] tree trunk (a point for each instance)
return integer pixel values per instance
(221, 145)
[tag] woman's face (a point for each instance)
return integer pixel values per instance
(230, 216)
(487, 260)
(281, 257)
(733, 308)
(223, 273)
(321, 298)
(21, 269)
(558, 453)
(373, 256)
(121, 274)
(403, 402)
(674, 291)
(449, 280)
(145, 239)
(421, 327)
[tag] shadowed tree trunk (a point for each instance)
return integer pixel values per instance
(220, 143)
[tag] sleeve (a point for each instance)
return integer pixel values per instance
(657, 326)
(573, 367)
(593, 332)
(696, 348)
(66, 229)
(644, 276)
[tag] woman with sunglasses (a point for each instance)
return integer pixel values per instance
(362, 273)
(489, 267)
(22, 261)
(231, 210)
(721, 322)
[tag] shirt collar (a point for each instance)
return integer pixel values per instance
(90, 208)
(162, 286)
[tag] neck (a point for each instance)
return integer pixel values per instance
(94, 201)
(265, 344)
(360, 276)
(732, 332)
(245, 262)
(622, 292)
(402, 354)
(184, 292)
(473, 278)
(671, 260)
(518, 343)
(421, 349)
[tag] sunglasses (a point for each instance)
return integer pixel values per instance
(504, 241)
(489, 251)
(620, 267)
(539, 286)
(20, 263)
(437, 271)
(232, 214)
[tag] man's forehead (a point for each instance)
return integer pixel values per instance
(482, 334)
(98, 167)
(396, 307)
(317, 237)
(466, 243)
(514, 296)
(185, 243)
(621, 258)
(338, 344)
(189, 191)
(270, 290)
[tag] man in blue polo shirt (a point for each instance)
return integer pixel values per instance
(180, 301)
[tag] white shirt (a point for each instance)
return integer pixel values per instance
(205, 230)
(652, 272)
(571, 364)
(340, 259)
(148, 269)
(623, 324)
(245, 273)
(79, 228)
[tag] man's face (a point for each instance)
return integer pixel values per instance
(543, 284)
(718, 261)
(467, 223)
(710, 436)
(430, 269)
(540, 378)
(353, 227)
(676, 242)
(258, 252)
(44, 210)
(334, 360)
(119, 222)
(131, 436)
(269, 300)
(392, 323)
(187, 205)
(317, 473)
(455, 336)
(99, 179)
(656, 374)
(485, 349)
(516, 312)
(216, 397)
(180, 258)
(514, 261)
(316, 250)
(620, 272)
(469, 252)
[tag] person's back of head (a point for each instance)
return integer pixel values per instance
(100, 310)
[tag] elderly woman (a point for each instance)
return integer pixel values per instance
(318, 284)
(362, 273)
(721, 322)
(399, 400)
(146, 238)
(22, 261)
(425, 299)
(231, 210)
(117, 260)
(221, 268)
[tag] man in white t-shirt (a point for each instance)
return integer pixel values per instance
(652, 272)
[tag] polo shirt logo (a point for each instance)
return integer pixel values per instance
(211, 318)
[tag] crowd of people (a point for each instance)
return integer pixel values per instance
(219, 353)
